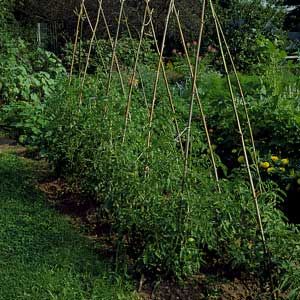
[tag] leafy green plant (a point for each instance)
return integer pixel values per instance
(27, 74)
(243, 22)
(167, 220)
(163, 228)
(6, 16)
(101, 54)
(25, 121)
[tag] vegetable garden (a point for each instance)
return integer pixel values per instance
(189, 161)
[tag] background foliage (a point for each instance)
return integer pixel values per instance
(243, 21)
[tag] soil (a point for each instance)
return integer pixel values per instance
(8, 145)
(203, 287)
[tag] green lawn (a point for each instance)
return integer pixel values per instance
(41, 254)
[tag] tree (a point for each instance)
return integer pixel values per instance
(292, 19)
(244, 22)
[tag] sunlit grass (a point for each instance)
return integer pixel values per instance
(41, 255)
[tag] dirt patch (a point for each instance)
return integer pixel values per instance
(67, 200)
(8, 145)
(71, 202)
(205, 286)
(7, 141)
(82, 213)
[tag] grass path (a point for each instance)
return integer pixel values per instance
(41, 255)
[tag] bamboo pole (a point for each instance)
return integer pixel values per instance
(198, 101)
(112, 46)
(170, 96)
(257, 208)
(114, 49)
(76, 41)
(80, 45)
(138, 71)
(239, 126)
(159, 67)
(134, 74)
(90, 49)
(244, 104)
(92, 28)
(194, 87)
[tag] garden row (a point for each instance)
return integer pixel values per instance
(167, 220)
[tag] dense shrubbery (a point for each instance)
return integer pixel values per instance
(27, 76)
(246, 21)
(24, 85)
(6, 15)
(272, 96)
(242, 21)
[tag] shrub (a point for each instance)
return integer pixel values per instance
(6, 15)
(24, 120)
(27, 76)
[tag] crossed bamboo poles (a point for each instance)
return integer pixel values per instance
(160, 70)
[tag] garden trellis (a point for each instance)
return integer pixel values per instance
(182, 134)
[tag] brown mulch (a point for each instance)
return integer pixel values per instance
(203, 287)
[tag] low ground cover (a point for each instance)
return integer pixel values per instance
(41, 255)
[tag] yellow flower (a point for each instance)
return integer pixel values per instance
(264, 165)
(238, 242)
(274, 158)
(285, 161)
(250, 245)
